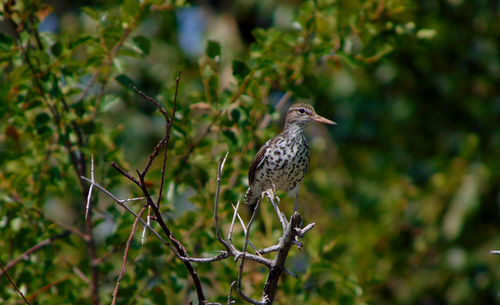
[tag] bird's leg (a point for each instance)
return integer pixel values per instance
(272, 195)
(296, 210)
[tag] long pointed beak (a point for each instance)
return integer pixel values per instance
(321, 119)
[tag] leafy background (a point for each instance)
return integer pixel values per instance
(404, 191)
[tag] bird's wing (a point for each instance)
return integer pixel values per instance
(257, 163)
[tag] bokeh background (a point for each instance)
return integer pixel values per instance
(404, 191)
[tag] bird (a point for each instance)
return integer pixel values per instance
(282, 162)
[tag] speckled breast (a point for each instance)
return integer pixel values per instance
(286, 162)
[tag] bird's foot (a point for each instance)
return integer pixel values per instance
(271, 194)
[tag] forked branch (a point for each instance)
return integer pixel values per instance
(291, 229)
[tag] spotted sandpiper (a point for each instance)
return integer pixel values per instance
(282, 162)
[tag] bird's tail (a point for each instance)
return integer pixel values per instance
(251, 197)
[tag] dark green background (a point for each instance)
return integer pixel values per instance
(404, 191)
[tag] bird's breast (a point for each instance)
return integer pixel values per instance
(285, 164)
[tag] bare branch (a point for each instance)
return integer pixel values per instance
(148, 221)
(240, 273)
(167, 135)
(35, 248)
(222, 161)
(125, 255)
(89, 196)
(278, 266)
(128, 209)
(229, 235)
(242, 226)
(151, 100)
(269, 249)
(229, 301)
(124, 172)
(272, 196)
(303, 231)
(33, 296)
(180, 249)
(14, 285)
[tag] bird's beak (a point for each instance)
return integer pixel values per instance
(321, 119)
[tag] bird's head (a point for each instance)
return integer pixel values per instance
(301, 114)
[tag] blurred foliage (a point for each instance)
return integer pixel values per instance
(404, 191)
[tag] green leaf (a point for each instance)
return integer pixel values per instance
(240, 70)
(124, 80)
(80, 40)
(43, 129)
(213, 49)
(5, 41)
(33, 104)
(41, 119)
(348, 59)
(236, 114)
(231, 136)
(159, 296)
(92, 13)
(143, 43)
(131, 7)
(56, 49)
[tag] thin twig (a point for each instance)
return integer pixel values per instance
(77, 271)
(229, 235)
(271, 194)
(304, 230)
(240, 273)
(243, 227)
(181, 250)
(89, 197)
(14, 285)
(124, 172)
(148, 221)
(229, 301)
(94, 271)
(125, 255)
(153, 155)
(222, 161)
(35, 248)
(105, 256)
(151, 100)
(128, 209)
(167, 135)
(269, 249)
(33, 296)
(176, 246)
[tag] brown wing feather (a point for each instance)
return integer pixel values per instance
(256, 164)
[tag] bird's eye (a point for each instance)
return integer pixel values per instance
(302, 110)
